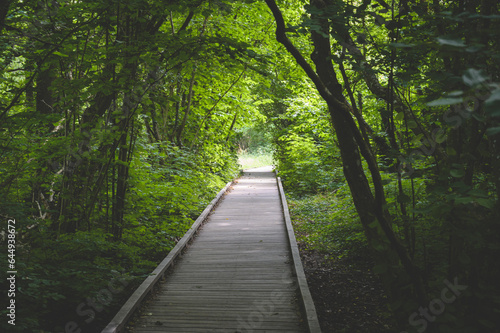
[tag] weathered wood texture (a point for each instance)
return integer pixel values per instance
(119, 321)
(238, 275)
(305, 298)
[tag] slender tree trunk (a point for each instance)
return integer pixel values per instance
(232, 126)
(42, 199)
(209, 112)
(118, 210)
(188, 108)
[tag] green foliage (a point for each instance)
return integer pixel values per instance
(422, 84)
(255, 142)
(170, 186)
(116, 130)
(328, 223)
(304, 167)
(259, 158)
(305, 151)
(57, 274)
(255, 139)
(119, 121)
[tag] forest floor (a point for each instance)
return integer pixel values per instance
(348, 295)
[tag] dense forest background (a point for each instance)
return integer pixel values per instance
(120, 120)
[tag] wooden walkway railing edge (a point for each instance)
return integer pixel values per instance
(307, 302)
(120, 320)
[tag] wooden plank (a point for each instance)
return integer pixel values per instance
(306, 299)
(237, 275)
(118, 322)
(205, 320)
(212, 330)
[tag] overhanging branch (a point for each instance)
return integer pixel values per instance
(283, 39)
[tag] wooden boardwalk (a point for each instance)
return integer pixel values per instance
(238, 274)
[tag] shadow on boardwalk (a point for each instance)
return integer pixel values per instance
(237, 275)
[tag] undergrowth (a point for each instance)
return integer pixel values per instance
(255, 159)
(328, 223)
(77, 281)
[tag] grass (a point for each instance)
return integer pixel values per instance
(327, 223)
(255, 160)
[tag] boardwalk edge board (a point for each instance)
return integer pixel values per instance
(118, 323)
(306, 299)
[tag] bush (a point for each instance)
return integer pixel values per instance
(168, 189)
(308, 166)
(328, 222)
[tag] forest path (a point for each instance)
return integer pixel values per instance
(238, 274)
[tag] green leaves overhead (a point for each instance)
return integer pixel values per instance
(61, 54)
(118, 122)
(420, 80)
(113, 112)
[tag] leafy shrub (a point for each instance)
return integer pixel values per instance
(168, 188)
(307, 166)
(58, 274)
(262, 157)
(328, 222)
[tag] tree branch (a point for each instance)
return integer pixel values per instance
(283, 39)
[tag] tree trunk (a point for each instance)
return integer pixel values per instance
(188, 109)
(374, 218)
(123, 161)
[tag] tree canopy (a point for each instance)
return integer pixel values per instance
(119, 120)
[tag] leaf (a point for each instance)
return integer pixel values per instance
(488, 203)
(417, 139)
(492, 131)
(396, 305)
(445, 101)
(455, 93)
(473, 77)
(386, 181)
(451, 42)
(379, 20)
(412, 124)
(463, 200)
(478, 193)
(450, 151)
(263, 101)
(402, 45)
(60, 54)
(492, 104)
(474, 48)
(400, 116)
(487, 323)
(441, 136)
